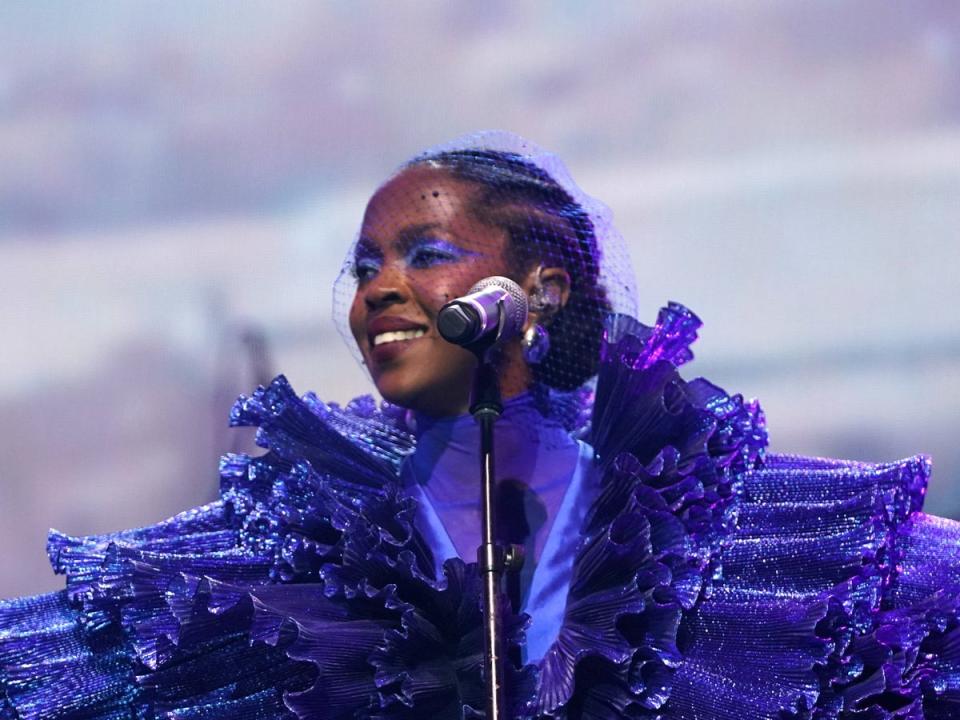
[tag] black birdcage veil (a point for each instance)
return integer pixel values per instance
(494, 203)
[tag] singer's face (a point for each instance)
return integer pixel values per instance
(421, 246)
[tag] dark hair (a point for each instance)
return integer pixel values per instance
(543, 224)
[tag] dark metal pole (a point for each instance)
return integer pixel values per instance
(486, 407)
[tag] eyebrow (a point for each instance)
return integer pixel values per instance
(411, 233)
(367, 248)
(406, 239)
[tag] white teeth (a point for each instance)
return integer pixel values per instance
(397, 335)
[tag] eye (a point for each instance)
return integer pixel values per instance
(430, 252)
(365, 268)
(428, 256)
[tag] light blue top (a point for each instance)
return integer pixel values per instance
(546, 485)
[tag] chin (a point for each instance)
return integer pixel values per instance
(397, 396)
(431, 398)
(395, 387)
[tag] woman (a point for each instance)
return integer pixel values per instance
(674, 570)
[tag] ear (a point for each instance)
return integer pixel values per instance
(548, 289)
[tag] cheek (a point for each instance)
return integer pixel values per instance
(432, 290)
(436, 288)
(356, 319)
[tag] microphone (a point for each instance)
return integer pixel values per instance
(494, 309)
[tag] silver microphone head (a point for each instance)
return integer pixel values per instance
(514, 304)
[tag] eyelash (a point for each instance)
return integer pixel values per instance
(365, 269)
(419, 257)
(427, 256)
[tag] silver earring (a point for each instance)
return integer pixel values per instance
(536, 344)
(543, 300)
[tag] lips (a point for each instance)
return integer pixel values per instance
(397, 336)
(390, 335)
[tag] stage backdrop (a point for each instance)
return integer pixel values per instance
(179, 182)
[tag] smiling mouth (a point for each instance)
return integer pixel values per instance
(397, 336)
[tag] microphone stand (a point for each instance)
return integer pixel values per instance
(486, 406)
(458, 320)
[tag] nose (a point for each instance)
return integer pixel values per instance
(389, 287)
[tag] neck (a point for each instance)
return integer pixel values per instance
(515, 376)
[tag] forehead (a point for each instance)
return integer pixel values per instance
(425, 203)
(418, 196)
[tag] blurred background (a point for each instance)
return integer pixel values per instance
(180, 181)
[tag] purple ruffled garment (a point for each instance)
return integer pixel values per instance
(712, 579)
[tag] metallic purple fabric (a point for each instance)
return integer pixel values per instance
(711, 580)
